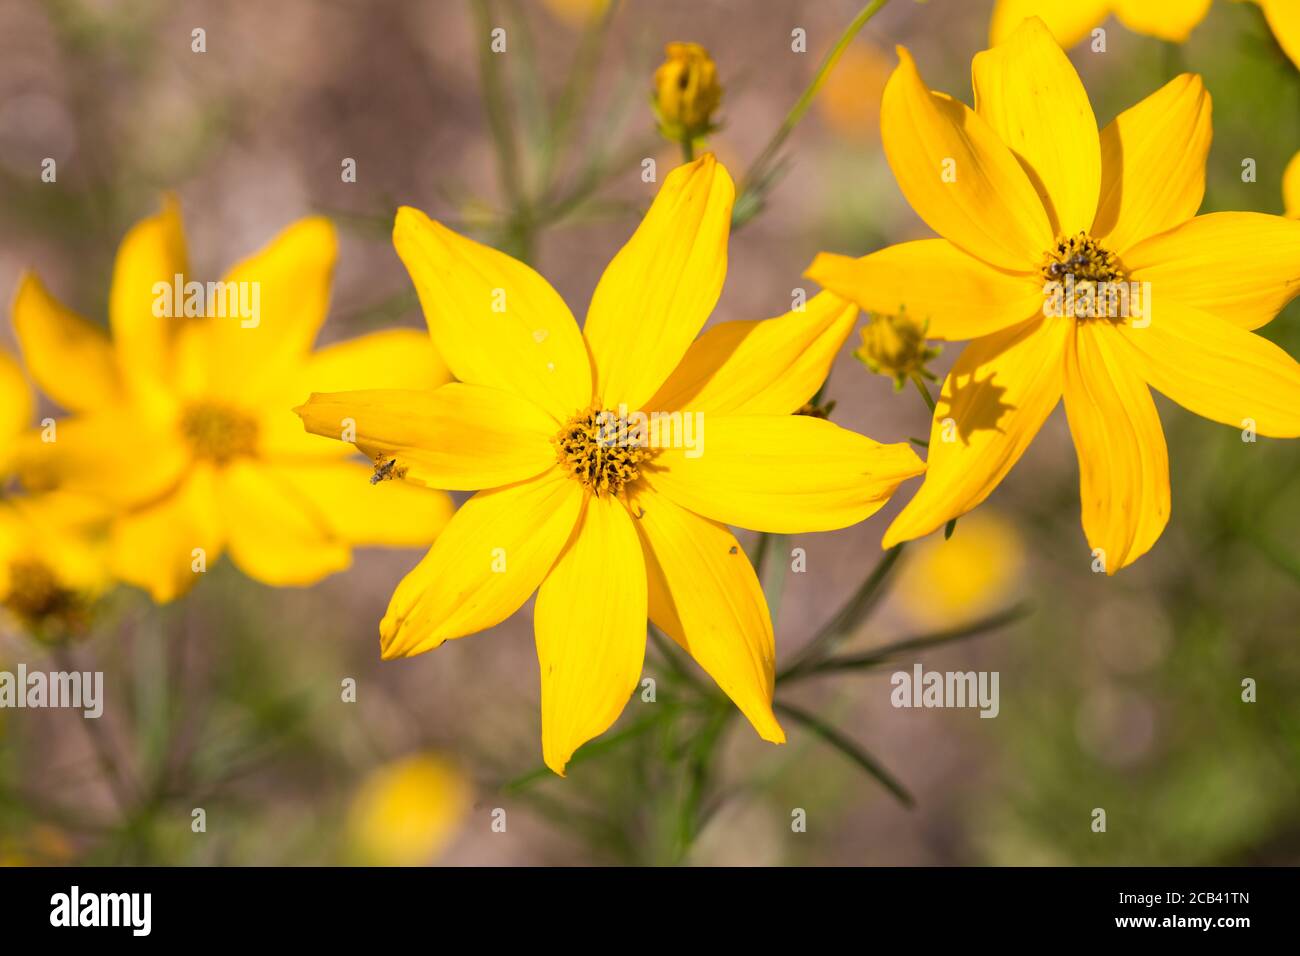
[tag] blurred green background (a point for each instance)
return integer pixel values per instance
(1120, 693)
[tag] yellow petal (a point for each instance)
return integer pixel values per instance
(1123, 462)
(115, 455)
(767, 367)
(457, 437)
(70, 358)
(1291, 187)
(1147, 186)
(785, 474)
(1027, 90)
(491, 556)
(936, 282)
(590, 623)
(1069, 20)
(391, 359)
(291, 277)
(1219, 371)
(705, 596)
(389, 513)
(959, 176)
(1243, 267)
(153, 251)
(997, 396)
(495, 321)
(16, 403)
(156, 547)
(656, 294)
(275, 535)
(1284, 20)
(1170, 20)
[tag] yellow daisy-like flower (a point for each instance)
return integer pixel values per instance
(1027, 194)
(52, 557)
(1173, 20)
(182, 420)
(608, 530)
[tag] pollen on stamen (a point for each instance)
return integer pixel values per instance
(601, 450)
(1084, 279)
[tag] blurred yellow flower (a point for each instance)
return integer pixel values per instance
(605, 526)
(1291, 187)
(182, 421)
(686, 92)
(52, 555)
(894, 345)
(1173, 20)
(1071, 20)
(950, 583)
(405, 813)
(849, 101)
(576, 13)
(1028, 197)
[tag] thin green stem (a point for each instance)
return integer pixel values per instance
(925, 391)
(760, 171)
(848, 748)
(882, 655)
(849, 616)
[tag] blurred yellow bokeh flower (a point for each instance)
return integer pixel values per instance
(1071, 20)
(1291, 187)
(182, 423)
(576, 13)
(686, 92)
(947, 583)
(405, 813)
(52, 553)
(1173, 20)
(607, 530)
(849, 101)
(1026, 194)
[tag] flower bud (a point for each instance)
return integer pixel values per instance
(894, 345)
(686, 92)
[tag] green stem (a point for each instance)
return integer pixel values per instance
(849, 616)
(755, 179)
(848, 748)
(688, 149)
(925, 392)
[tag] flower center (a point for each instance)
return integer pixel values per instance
(218, 432)
(1084, 258)
(36, 596)
(1085, 280)
(602, 450)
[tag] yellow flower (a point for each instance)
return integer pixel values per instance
(1026, 195)
(686, 92)
(405, 813)
(1291, 187)
(52, 558)
(1173, 20)
(182, 422)
(1071, 20)
(604, 528)
(949, 583)
(894, 345)
(576, 13)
